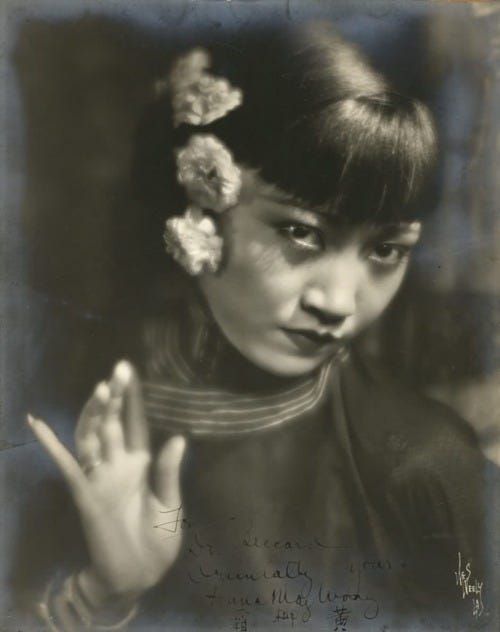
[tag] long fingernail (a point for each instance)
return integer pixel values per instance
(32, 421)
(123, 372)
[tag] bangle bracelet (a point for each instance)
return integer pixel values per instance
(43, 609)
(87, 607)
(65, 609)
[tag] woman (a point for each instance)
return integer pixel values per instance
(256, 470)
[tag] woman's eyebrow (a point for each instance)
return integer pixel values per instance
(289, 207)
(277, 198)
(401, 229)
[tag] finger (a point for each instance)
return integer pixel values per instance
(112, 442)
(118, 386)
(87, 443)
(168, 470)
(60, 455)
(89, 450)
(110, 430)
(94, 409)
(136, 429)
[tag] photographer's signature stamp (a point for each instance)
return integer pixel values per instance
(470, 586)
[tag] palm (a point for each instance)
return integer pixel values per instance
(123, 530)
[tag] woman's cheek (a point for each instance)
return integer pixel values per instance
(260, 261)
(268, 279)
(261, 258)
(377, 297)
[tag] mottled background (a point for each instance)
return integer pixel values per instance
(76, 77)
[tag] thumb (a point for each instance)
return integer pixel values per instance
(168, 469)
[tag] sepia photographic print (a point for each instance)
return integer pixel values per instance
(250, 315)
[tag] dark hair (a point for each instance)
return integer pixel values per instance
(321, 124)
(316, 120)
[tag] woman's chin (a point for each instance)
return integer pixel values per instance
(284, 364)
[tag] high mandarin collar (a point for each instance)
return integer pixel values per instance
(198, 383)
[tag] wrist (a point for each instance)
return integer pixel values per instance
(100, 596)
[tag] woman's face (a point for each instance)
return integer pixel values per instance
(295, 286)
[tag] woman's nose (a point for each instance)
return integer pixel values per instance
(333, 300)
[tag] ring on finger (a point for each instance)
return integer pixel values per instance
(91, 465)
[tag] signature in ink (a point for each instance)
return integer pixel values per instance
(341, 620)
(470, 586)
(240, 623)
(326, 595)
(371, 605)
(255, 541)
(173, 522)
(292, 569)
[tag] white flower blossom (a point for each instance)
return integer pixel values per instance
(189, 67)
(208, 173)
(192, 241)
(199, 98)
(205, 101)
(186, 71)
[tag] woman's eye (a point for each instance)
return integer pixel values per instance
(302, 235)
(389, 254)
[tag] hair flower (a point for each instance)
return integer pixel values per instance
(199, 98)
(206, 169)
(192, 241)
(189, 67)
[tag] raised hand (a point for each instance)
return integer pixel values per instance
(110, 484)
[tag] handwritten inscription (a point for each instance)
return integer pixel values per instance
(288, 545)
(341, 618)
(173, 522)
(288, 590)
(240, 623)
(469, 586)
(282, 582)
(291, 570)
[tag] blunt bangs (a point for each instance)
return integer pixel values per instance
(361, 159)
(320, 123)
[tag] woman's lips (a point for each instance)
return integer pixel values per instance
(308, 340)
